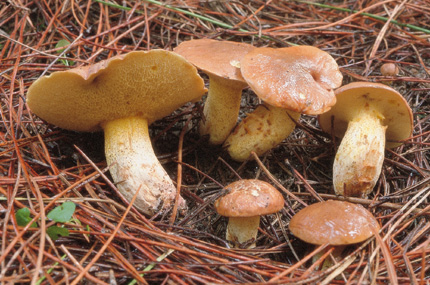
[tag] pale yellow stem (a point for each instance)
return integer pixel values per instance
(241, 230)
(359, 159)
(221, 108)
(133, 165)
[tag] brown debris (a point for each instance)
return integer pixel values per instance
(43, 166)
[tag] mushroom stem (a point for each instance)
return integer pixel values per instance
(336, 254)
(221, 108)
(263, 129)
(133, 165)
(242, 229)
(359, 159)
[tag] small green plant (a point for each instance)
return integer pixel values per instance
(60, 214)
(23, 218)
(60, 44)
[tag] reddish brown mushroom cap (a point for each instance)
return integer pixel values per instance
(333, 222)
(299, 78)
(249, 198)
(397, 115)
(389, 69)
(219, 58)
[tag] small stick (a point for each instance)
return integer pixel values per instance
(274, 180)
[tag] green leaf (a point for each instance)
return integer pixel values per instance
(55, 232)
(62, 213)
(62, 43)
(23, 218)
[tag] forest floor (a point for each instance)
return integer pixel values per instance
(43, 166)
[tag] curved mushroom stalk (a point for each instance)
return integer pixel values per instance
(359, 159)
(133, 165)
(263, 129)
(221, 108)
(242, 229)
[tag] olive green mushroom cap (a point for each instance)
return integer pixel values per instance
(298, 78)
(394, 109)
(219, 58)
(146, 84)
(249, 198)
(334, 223)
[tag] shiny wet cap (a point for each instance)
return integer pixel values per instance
(334, 223)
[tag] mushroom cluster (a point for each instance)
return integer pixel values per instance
(123, 95)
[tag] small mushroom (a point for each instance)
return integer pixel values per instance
(220, 60)
(389, 69)
(290, 81)
(245, 202)
(336, 223)
(366, 115)
(122, 96)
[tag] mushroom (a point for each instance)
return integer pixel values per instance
(122, 96)
(220, 60)
(290, 81)
(336, 223)
(245, 202)
(366, 115)
(389, 69)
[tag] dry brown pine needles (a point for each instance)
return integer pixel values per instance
(43, 166)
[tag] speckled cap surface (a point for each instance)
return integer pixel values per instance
(147, 84)
(298, 78)
(249, 198)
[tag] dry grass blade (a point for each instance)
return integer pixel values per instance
(43, 166)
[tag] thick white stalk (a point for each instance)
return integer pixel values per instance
(133, 165)
(221, 108)
(240, 230)
(260, 131)
(359, 159)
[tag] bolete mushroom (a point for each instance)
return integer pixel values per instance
(336, 223)
(290, 81)
(389, 69)
(366, 115)
(220, 60)
(245, 202)
(122, 96)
